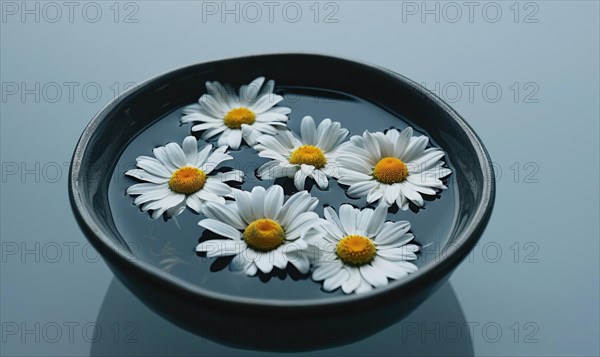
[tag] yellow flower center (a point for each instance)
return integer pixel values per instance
(355, 250)
(390, 170)
(187, 180)
(308, 155)
(238, 116)
(264, 235)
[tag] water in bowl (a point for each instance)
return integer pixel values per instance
(170, 244)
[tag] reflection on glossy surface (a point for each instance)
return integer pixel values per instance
(170, 244)
(437, 327)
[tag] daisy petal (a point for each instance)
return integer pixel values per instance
(152, 196)
(353, 280)
(373, 276)
(224, 138)
(208, 196)
(391, 194)
(396, 254)
(412, 195)
(336, 281)
(364, 287)
(391, 232)
(223, 213)
(193, 202)
(233, 175)
(251, 269)
(299, 180)
(161, 154)
(257, 200)
(321, 179)
(302, 223)
(415, 148)
(299, 260)
(220, 228)
(271, 143)
(170, 200)
(377, 219)
(212, 106)
(202, 155)
(239, 263)
(250, 134)
(333, 218)
(326, 270)
(362, 221)
(372, 145)
(146, 176)
(153, 166)
(375, 194)
(361, 189)
(190, 149)
(141, 188)
(263, 263)
(308, 131)
(248, 93)
(296, 204)
(266, 102)
(235, 139)
(390, 269)
(273, 202)
(402, 142)
(217, 187)
(176, 210)
(176, 154)
(280, 260)
(209, 133)
(348, 217)
(244, 203)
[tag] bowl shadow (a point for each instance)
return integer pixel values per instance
(437, 327)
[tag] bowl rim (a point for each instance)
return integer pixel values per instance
(426, 275)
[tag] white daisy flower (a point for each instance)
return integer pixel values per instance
(312, 155)
(359, 251)
(263, 232)
(392, 167)
(236, 117)
(181, 176)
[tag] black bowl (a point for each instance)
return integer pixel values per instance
(279, 324)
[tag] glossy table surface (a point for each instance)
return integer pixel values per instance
(525, 76)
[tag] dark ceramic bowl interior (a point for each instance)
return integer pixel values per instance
(284, 310)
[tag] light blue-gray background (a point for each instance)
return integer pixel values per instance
(531, 287)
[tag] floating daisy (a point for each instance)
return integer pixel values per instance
(312, 155)
(236, 117)
(262, 231)
(392, 167)
(180, 176)
(359, 251)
